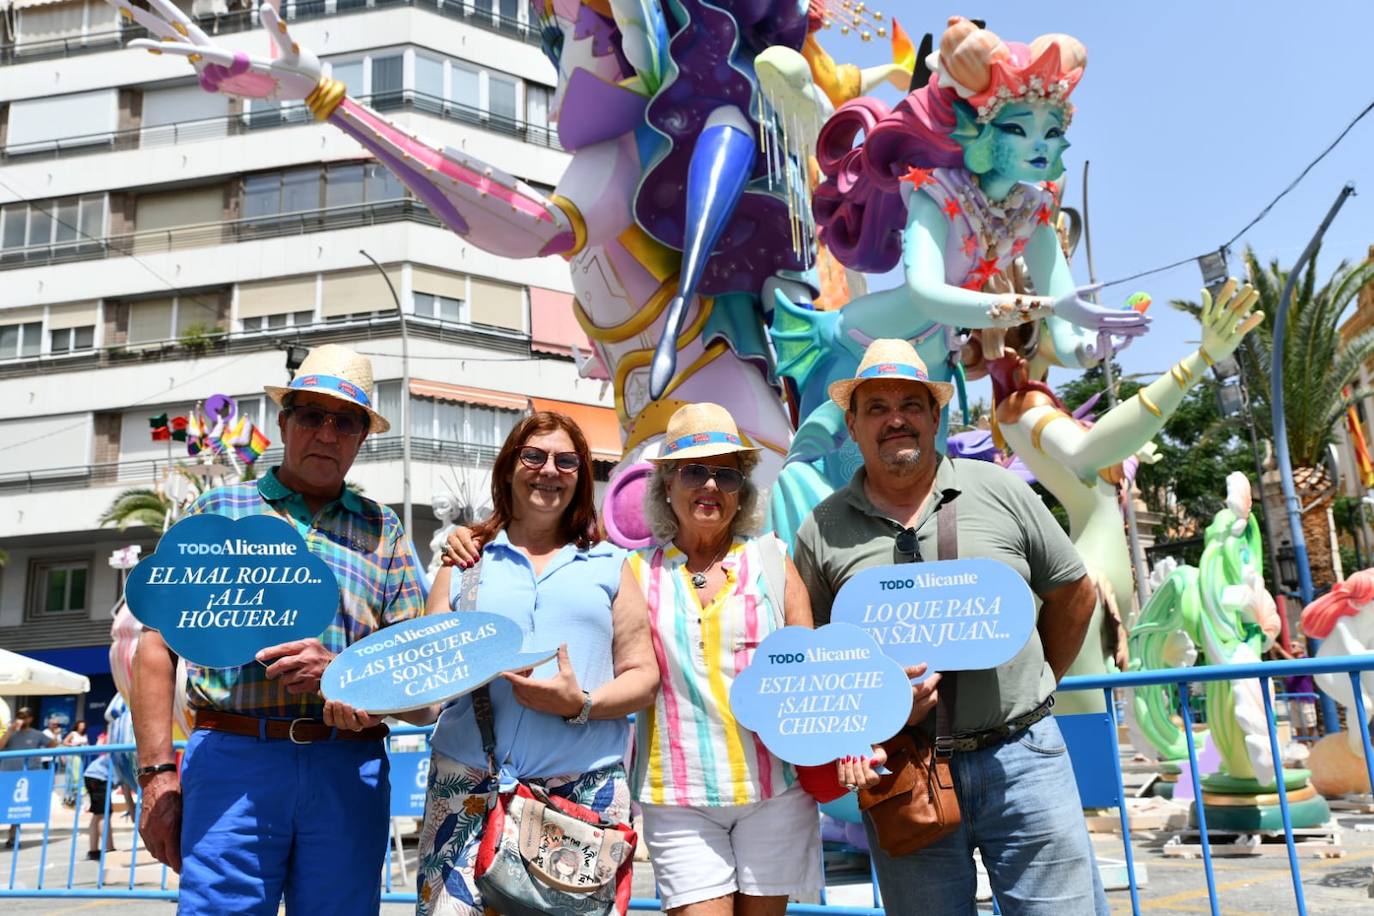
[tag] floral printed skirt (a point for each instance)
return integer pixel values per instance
(456, 809)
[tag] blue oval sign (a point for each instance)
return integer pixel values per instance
(954, 615)
(427, 660)
(813, 696)
(221, 589)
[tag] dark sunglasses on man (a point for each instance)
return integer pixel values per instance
(345, 424)
(694, 476)
(535, 459)
(909, 546)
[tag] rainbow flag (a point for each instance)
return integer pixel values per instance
(252, 450)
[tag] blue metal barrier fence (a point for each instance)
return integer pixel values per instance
(1352, 665)
(157, 885)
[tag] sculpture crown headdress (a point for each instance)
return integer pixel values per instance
(988, 73)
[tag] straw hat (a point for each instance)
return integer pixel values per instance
(700, 431)
(888, 358)
(339, 373)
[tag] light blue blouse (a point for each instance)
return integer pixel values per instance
(569, 603)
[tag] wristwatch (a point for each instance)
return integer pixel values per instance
(581, 717)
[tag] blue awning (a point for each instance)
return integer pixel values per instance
(78, 659)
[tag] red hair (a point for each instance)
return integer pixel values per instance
(1321, 616)
(579, 519)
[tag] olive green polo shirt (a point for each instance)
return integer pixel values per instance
(1000, 518)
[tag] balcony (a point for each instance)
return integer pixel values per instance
(148, 471)
(259, 119)
(221, 233)
(246, 20)
(351, 331)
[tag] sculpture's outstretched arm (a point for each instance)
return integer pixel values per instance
(509, 217)
(1132, 423)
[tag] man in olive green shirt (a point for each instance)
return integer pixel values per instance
(1017, 794)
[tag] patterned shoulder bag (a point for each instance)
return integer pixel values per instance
(541, 854)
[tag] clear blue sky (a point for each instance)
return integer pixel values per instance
(1194, 115)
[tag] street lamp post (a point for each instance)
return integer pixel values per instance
(1282, 457)
(405, 396)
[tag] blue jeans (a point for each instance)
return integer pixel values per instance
(1020, 810)
(267, 818)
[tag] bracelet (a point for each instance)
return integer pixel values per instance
(155, 769)
(1206, 357)
(1149, 405)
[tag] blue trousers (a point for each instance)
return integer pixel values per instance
(1020, 809)
(263, 819)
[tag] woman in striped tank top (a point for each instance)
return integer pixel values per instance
(728, 828)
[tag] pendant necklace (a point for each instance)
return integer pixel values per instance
(699, 578)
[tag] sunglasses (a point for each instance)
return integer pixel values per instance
(909, 545)
(535, 459)
(345, 424)
(694, 476)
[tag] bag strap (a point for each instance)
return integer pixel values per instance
(772, 554)
(481, 697)
(947, 536)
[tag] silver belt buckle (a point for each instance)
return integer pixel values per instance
(291, 731)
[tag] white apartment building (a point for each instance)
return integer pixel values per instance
(160, 245)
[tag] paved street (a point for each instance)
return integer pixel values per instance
(1246, 885)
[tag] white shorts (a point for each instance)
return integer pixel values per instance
(768, 849)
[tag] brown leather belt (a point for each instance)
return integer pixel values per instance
(297, 731)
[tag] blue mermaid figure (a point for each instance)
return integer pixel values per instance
(957, 185)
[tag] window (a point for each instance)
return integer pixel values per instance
(67, 340)
(343, 185)
(429, 77)
(387, 81)
(62, 121)
(467, 86)
(441, 308)
(261, 195)
(350, 74)
(537, 100)
(158, 320)
(501, 97)
(260, 323)
(300, 190)
(63, 223)
(184, 112)
(60, 587)
(20, 340)
(381, 184)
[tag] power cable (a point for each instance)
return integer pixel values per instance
(1263, 213)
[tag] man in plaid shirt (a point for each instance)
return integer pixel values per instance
(281, 793)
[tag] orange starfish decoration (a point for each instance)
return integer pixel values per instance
(952, 208)
(918, 177)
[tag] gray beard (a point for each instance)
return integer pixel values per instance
(905, 462)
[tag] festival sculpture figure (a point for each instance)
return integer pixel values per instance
(1081, 464)
(956, 184)
(1217, 614)
(673, 221)
(1343, 619)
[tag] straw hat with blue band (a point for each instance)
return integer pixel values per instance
(701, 431)
(886, 358)
(339, 373)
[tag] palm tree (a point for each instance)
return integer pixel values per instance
(139, 507)
(1317, 367)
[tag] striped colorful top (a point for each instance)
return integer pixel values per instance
(690, 750)
(378, 585)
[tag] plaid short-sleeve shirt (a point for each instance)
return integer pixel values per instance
(364, 545)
